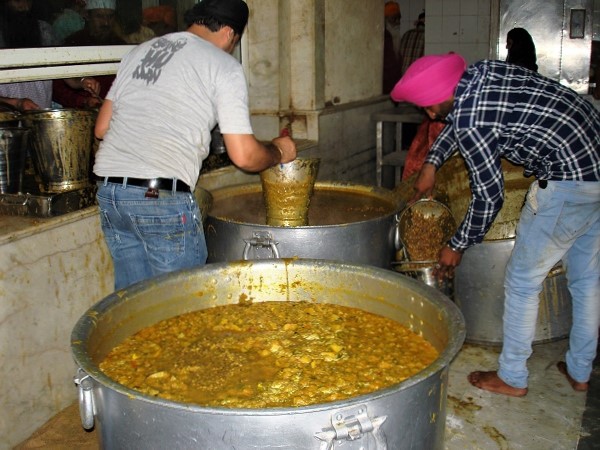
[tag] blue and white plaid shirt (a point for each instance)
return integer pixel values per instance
(503, 110)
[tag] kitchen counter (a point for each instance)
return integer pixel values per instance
(53, 270)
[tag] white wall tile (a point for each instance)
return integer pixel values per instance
(469, 30)
(469, 7)
(433, 29)
(434, 8)
(484, 7)
(451, 29)
(451, 8)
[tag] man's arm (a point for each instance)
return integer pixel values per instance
(249, 154)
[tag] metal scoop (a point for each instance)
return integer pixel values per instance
(430, 211)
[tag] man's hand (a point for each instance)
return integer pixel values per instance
(448, 260)
(425, 183)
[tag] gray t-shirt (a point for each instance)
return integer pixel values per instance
(168, 95)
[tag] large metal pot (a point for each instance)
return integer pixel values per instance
(409, 415)
(62, 142)
(347, 222)
(479, 280)
(479, 293)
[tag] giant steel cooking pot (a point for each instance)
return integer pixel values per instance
(408, 415)
(346, 222)
(479, 279)
(479, 293)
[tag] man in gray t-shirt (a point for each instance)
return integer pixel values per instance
(155, 125)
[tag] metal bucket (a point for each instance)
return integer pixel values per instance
(349, 222)
(62, 141)
(287, 189)
(10, 119)
(13, 149)
(423, 271)
(479, 293)
(408, 415)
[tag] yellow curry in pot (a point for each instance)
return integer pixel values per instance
(268, 354)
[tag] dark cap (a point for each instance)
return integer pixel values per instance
(233, 13)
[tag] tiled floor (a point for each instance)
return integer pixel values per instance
(551, 417)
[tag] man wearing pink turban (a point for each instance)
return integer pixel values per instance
(494, 110)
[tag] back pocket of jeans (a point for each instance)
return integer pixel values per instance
(163, 237)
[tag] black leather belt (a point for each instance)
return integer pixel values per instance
(150, 183)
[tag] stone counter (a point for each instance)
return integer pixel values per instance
(52, 270)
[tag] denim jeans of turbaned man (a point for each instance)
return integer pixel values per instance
(560, 222)
(150, 236)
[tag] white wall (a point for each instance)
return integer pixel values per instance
(461, 26)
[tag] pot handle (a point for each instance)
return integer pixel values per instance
(260, 239)
(86, 399)
(350, 425)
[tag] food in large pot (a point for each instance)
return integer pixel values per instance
(410, 414)
(268, 354)
(347, 222)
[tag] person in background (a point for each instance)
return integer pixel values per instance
(412, 44)
(155, 126)
(595, 70)
(129, 26)
(392, 64)
(21, 29)
(69, 20)
(495, 110)
(521, 49)
(99, 30)
(521, 52)
(161, 19)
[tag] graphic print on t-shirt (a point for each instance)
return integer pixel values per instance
(158, 56)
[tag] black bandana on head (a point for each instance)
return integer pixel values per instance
(233, 13)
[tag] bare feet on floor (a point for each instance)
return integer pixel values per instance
(576, 385)
(490, 381)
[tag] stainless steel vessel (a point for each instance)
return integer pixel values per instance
(61, 140)
(479, 293)
(479, 280)
(347, 222)
(409, 415)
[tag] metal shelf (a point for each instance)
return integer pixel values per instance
(403, 113)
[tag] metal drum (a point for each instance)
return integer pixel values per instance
(408, 415)
(347, 222)
(62, 146)
(479, 293)
(479, 279)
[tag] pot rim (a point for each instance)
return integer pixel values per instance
(396, 206)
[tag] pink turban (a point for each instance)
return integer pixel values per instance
(430, 80)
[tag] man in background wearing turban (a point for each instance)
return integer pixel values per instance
(497, 110)
(155, 126)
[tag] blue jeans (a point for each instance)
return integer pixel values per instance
(561, 222)
(150, 236)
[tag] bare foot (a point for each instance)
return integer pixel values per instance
(576, 385)
(490, 381)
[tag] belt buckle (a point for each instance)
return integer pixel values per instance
(152, 191)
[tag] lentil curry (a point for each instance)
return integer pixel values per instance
(268, 354)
